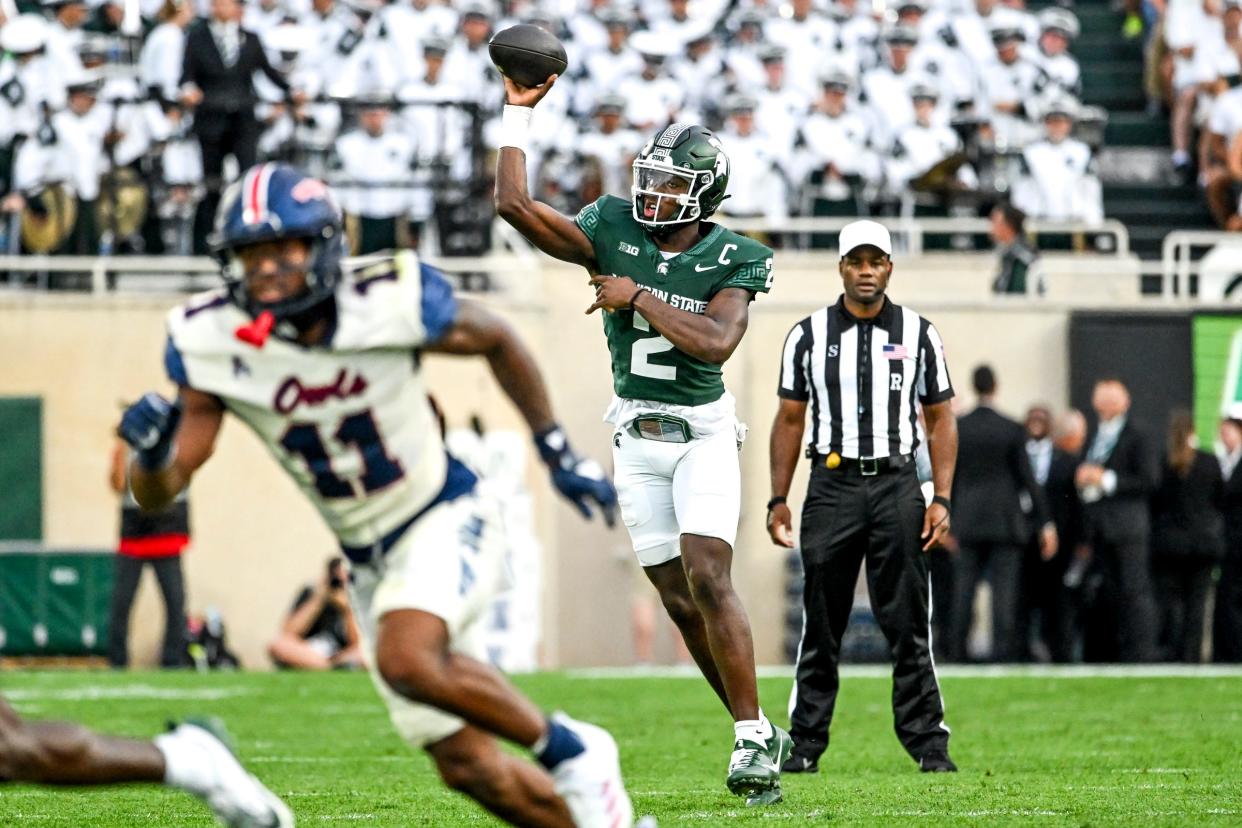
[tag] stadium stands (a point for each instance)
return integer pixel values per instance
(829, 88)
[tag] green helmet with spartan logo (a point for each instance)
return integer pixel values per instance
(683, 163)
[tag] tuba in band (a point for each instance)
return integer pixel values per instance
(48, 218)
(122, 205)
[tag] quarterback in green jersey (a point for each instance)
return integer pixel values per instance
(675, 290)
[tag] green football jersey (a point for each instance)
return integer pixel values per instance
(645, 365)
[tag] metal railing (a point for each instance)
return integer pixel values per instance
(1178, 264)
(514, 254)
(909, 233)
(191, 273)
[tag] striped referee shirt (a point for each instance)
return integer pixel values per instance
(863, 378)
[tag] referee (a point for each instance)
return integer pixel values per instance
(866, 366)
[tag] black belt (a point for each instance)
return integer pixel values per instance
(865, 467)
(458, 481)
(377, 550)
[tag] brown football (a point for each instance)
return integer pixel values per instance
(527, 54)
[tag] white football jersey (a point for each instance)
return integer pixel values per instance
(349, 420)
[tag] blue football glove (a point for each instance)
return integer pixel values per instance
(150, 425)
(579, 480)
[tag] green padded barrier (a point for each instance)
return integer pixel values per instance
(55, 602)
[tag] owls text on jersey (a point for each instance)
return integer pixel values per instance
(350, 420)
(645, 365)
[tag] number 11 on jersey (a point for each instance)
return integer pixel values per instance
(358, 431)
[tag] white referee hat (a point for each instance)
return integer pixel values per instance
(859, 233)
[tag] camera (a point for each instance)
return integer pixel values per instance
(336, 573)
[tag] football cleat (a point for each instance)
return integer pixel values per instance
(237, 798)
(755, 768)
(590, 783)
(769, 797)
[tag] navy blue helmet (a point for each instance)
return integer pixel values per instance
(272, 202)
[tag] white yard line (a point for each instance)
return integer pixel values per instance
(124, 691)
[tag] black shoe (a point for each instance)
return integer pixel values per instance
(937, 761)
(800, 764)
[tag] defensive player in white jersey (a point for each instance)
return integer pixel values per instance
(325, 368)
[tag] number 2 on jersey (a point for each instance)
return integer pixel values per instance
(357, 430)
(645, 348)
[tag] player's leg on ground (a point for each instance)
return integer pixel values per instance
(471, 761)
(193, 757)
(669, 579)
(62, 753)
(707, 562)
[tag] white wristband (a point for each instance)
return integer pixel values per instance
(515, 127)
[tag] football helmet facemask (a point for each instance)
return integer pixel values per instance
(272, 202)
(693, 157)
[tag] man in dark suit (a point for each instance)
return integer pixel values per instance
(1227, 625)
(1047, 604)
(1115, 482)
(217, 81)
(997, 506)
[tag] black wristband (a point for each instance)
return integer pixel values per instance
(943, 501)
(634, 298)
(776, 501)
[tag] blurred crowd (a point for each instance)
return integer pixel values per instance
(1193, 72)
(1100, 543)
(120, 123)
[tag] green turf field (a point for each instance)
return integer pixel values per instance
(1033, 749)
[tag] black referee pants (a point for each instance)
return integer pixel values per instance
(848, 518)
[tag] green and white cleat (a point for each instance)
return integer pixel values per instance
(755, 768)
(780, 746)
(769, 797)
(238, 799)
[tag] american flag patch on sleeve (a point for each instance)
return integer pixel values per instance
(895, 352)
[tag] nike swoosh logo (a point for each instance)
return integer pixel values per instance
(698, 268)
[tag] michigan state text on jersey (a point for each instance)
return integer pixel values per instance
(676, 290)
(646, 365)
(326, 368)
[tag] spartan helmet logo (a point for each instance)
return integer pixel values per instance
(722, 160)
(662, 268)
